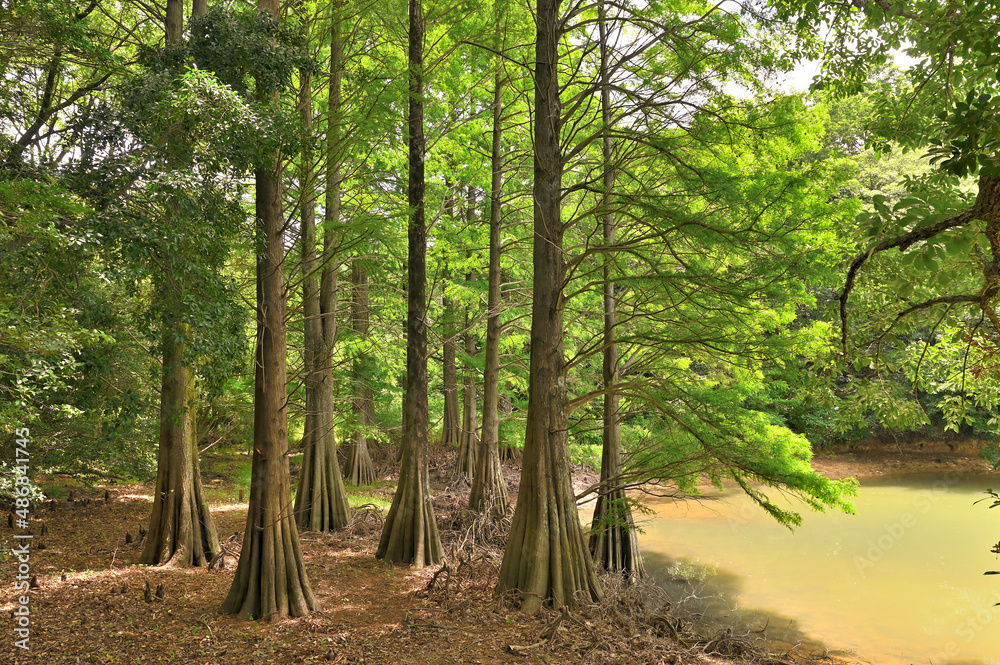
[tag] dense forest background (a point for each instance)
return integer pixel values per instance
(579, 233)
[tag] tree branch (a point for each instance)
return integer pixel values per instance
(903, 242)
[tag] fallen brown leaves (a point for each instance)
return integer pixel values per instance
(93, 604)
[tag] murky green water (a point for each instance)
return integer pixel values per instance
(900, 582)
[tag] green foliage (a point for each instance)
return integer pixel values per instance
(585, 454)
(190, 116)
(186, 143)
(920, 328)
(250, 51)
(9, 487)
(69, 368)
(131, 220)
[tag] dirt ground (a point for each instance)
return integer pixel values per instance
(90, 606)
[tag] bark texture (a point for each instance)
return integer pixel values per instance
(546, 558)
(451, 433)
(270, 580)
(468, 441)
(613, 542)
(173, 22)
(489, 489)
(181, 529)
(321, 500)
(359, 469)
(410, 534)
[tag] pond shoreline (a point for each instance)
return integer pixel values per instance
(889, 461)
(930, 477)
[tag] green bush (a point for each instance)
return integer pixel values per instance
(9, 487)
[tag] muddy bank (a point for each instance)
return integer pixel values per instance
(876, 459)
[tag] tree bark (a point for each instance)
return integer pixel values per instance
(321, 500)
(546, 558)
(489, 490)
(173, 22)
(270, 580)
(468, 444)
(181, 529)
(410, 534)
(613, 542)
(468, 441)
(451, 434)
(359, 467)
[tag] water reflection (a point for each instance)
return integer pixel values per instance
(900, 582)
(706, 597)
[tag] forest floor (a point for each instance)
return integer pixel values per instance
(90, 606)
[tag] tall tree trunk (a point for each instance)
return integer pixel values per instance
(181, 529)
(468, 445)
(546, 557)
(410, 534)
(321, 500)
(451, 429)
(613, 542)
(359, 467)
(451, 433)
(270, 580)
(468, 441)
(173, 22)
(489, 490)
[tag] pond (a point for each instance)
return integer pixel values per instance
(900, 582)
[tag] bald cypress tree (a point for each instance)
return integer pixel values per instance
(489, 490)
(613, 542)
(321, 499)
(410, 534)
(546, 556)
(181, 529)
(270, 580)
(358, 468)
(468, 443)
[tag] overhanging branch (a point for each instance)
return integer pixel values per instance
(903, 242)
